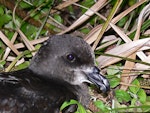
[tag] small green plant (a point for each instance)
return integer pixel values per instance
(80, 108)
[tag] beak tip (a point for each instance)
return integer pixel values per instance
(98, 79)
(103, 85)
(105, 88)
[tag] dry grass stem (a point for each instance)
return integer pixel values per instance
(7, 51)
(8, 43)
(133, 56)
(91, 37)
(97, 6)
(123, 50)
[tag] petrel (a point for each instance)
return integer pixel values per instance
(58, 72)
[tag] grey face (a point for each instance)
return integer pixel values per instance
(70, 59)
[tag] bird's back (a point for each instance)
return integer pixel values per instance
(24, 92)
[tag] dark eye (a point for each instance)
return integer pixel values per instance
(70, 57)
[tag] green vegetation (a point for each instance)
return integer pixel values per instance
(26, 24)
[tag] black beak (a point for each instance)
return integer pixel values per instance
(99, 80)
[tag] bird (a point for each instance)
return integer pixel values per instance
(60, 71)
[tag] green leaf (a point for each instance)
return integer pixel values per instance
(4, 19)
(38, 46)
(29, 30)
(38, 2)
(24, 5)
(113, 2)
(101, 106)
(145, 26)
(122, 22)
(131, 2)
(142, 96)
(135, 89)
(72, 102)
(112, 70)
(85, 30)
(58, 18)
(9, 34)
(133, 101)
(70, 9)
(122, 96)
(87, 3)
(22, 66)
(114, 82)
(1, 11)
(81, 109)
(2, 63)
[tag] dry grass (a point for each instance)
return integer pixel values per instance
(135, 49)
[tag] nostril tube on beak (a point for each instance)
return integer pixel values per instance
(96, 70)
(99, 80)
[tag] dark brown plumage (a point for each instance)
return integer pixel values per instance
(57, 73)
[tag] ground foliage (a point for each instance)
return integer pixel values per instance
(118, 32)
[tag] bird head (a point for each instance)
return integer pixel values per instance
(69, 59)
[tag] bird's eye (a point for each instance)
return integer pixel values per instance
(71, 57)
